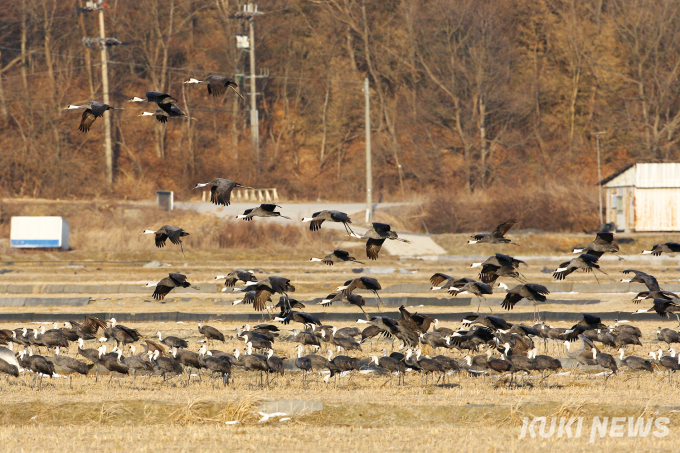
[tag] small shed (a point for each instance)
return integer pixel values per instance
(39, 232)
(644, 197)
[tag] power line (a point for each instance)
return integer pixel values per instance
(186, 70)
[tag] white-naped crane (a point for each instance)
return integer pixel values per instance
(163, 100)
(497, 236)
(163, 115)
(663, 308)
(534, 292)
(217, 85)
(238, 275)
(479, 289)
(585, 262)
(175, 234)
(264, 210)
(220, 190)
(665, 247)
(584, 354)
(336, 256)
(603, 243)
(376, 237)
(330, 215)
(367, 283)
(93, 110)
(167, 284)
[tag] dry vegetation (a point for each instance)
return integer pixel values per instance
(496, 100)
(109, 230)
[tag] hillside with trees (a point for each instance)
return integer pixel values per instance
(476, 105)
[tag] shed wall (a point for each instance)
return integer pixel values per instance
(657, 209)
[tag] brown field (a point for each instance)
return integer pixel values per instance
(475, 414)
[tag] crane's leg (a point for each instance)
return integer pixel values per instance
(479, 304)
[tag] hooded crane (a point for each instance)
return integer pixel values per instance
(403, 329)
(500, 260)
(376, 237)
(605, 361)
(36, 363)
(88, 329)
(298, 316)
(347, 299)
(122, 334)
(171, 341)
(439, 281)
(496, 236)
(264, 210)
(164, 101)
(532, 291)
(585, 262)
(666, 247)
(217, 85)
(270, 285)
(67, 366)
(162, 115)
(220, 190)
(393, 366)
(173, 280)
(337, 256)
(234, 276)
(654, 290)
(175, 234)
(368, 283)
(589, 322)
(603, 243)
(210, 333)
(93, 110)
(635, 363)
(479, 289)
(332, 216)
(113, 363)
(663, 307)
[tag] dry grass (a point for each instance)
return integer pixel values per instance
(109, 230)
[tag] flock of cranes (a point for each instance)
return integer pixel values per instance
(167, 108)
(509, 348)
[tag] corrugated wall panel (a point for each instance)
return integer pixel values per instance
(657, 175)
(657, 209)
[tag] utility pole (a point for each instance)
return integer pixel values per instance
(103, 42)
(369, 172)
(249, 12)
(108, 151)
(599, 175)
